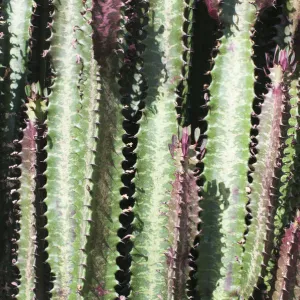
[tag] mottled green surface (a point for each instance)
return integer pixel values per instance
(155, 167)
(71, 139)
(285, 200)
(262, 203)
(220, 252)
(27, 241)
(102, 243)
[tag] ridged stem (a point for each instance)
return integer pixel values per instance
(287, 278)
(72, 114)
(273, 127)
(183, 215)
(220, 250)
(27, 241)
(155, 168)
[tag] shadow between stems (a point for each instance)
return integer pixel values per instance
(11, 100)
(210, 245)
(97, 248)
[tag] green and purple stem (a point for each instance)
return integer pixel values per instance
(184, 214)
(27, 242)
(285, 186)
(155, 168)
(287, 285)
(85, 154)
(264, 189)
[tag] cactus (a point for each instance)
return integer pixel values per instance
(225, 189)
(288, 263)
(120, 178)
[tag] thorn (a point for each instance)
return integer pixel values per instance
(82, 278)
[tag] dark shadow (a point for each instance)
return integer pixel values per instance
(11, 100)
(39, 61)
(39, 70)
(203, 41)
(228, 16)
(128, 68)
(209, 253)
(106, 19)
(97, 247)
(154, 70)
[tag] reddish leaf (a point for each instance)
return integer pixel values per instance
(212, 7)
(185, 141)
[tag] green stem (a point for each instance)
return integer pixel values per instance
(220, 249)
(155, 168)
(71, 140)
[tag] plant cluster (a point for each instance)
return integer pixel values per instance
(149, 149)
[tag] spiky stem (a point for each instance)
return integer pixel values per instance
(287, 279)
(155, 170)
(263, 199)
(183, 216)
(71, 140)
(225, 164)
(27, 244)
(27, 241)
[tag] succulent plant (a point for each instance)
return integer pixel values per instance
(149, 150)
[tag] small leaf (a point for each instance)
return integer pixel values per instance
(197, 134)
(185, 141)
(28, 90)
(45, 92)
